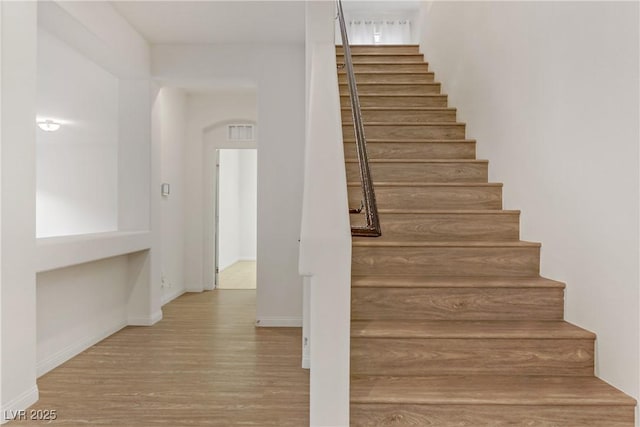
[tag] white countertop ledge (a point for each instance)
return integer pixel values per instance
(65, 251)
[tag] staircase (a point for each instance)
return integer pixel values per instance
(452, 324)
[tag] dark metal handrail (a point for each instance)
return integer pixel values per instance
(372, 229)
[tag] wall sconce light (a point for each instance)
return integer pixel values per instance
(49, 125)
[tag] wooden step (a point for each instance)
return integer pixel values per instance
(484, 401)
(446, 258)
(409, 131)
(393, 88)
(389, 77)
(423, 170)
(381, 49)
(429, 100)
(478, 225)
(402, 115)
(380, 297)
(423, 348)
(383, 58)
(417, 149)
(431, 196)
(416, 67)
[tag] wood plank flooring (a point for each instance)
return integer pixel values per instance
(204, 364)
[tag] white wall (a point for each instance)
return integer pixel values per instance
(550, 90)
(237, 206)
(102, 286)
(170, 115)
(278, 73)
(103, 37)
(76, 166)
(17, 214)
(249, 204)
(229, 208)
(207, 116)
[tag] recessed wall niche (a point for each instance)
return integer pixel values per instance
(76, 165)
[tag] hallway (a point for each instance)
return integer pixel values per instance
(204, 364)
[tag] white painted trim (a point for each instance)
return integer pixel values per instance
(279, 322)
(306, 363)
(145, 320)
(65, 251)
(74, 349)
(194, 288)
(166, 299)
(19, 403)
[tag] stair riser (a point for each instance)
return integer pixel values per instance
(446, 261)
(411, 132)
(422, 172)
(424, 357)
(424, 77)
(389, 68)
(387, 49)
(383, 59)
(414, 150)
(450, 227)
(432, 197)
(394, 89)
(402, 116)
(398, 415)
(397, 101)
(457, 303)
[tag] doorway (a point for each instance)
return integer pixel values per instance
(236, 218)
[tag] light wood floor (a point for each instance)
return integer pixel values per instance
(241, 275)
(204, 364)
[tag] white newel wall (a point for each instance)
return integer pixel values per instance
(550, 91)
(325, 235)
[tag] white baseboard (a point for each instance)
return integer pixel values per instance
(173, 295)
(12, 409)
(282, 322)
(306, 363)
(193, 288)
(145, 320)
(74, 349)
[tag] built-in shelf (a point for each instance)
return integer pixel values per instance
(59, 252)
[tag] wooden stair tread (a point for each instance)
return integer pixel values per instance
(449, 212)
(396, 281)
(494, 329)
(365, 242)
(408, 124)
(392, 84)
(429, 184)
(402, 108)
(401, 141)
(381, 46)
(420, 161)
(487, 390)
(391, 95)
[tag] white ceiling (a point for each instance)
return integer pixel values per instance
(216, 21)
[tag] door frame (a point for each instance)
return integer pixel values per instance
(209, 192)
